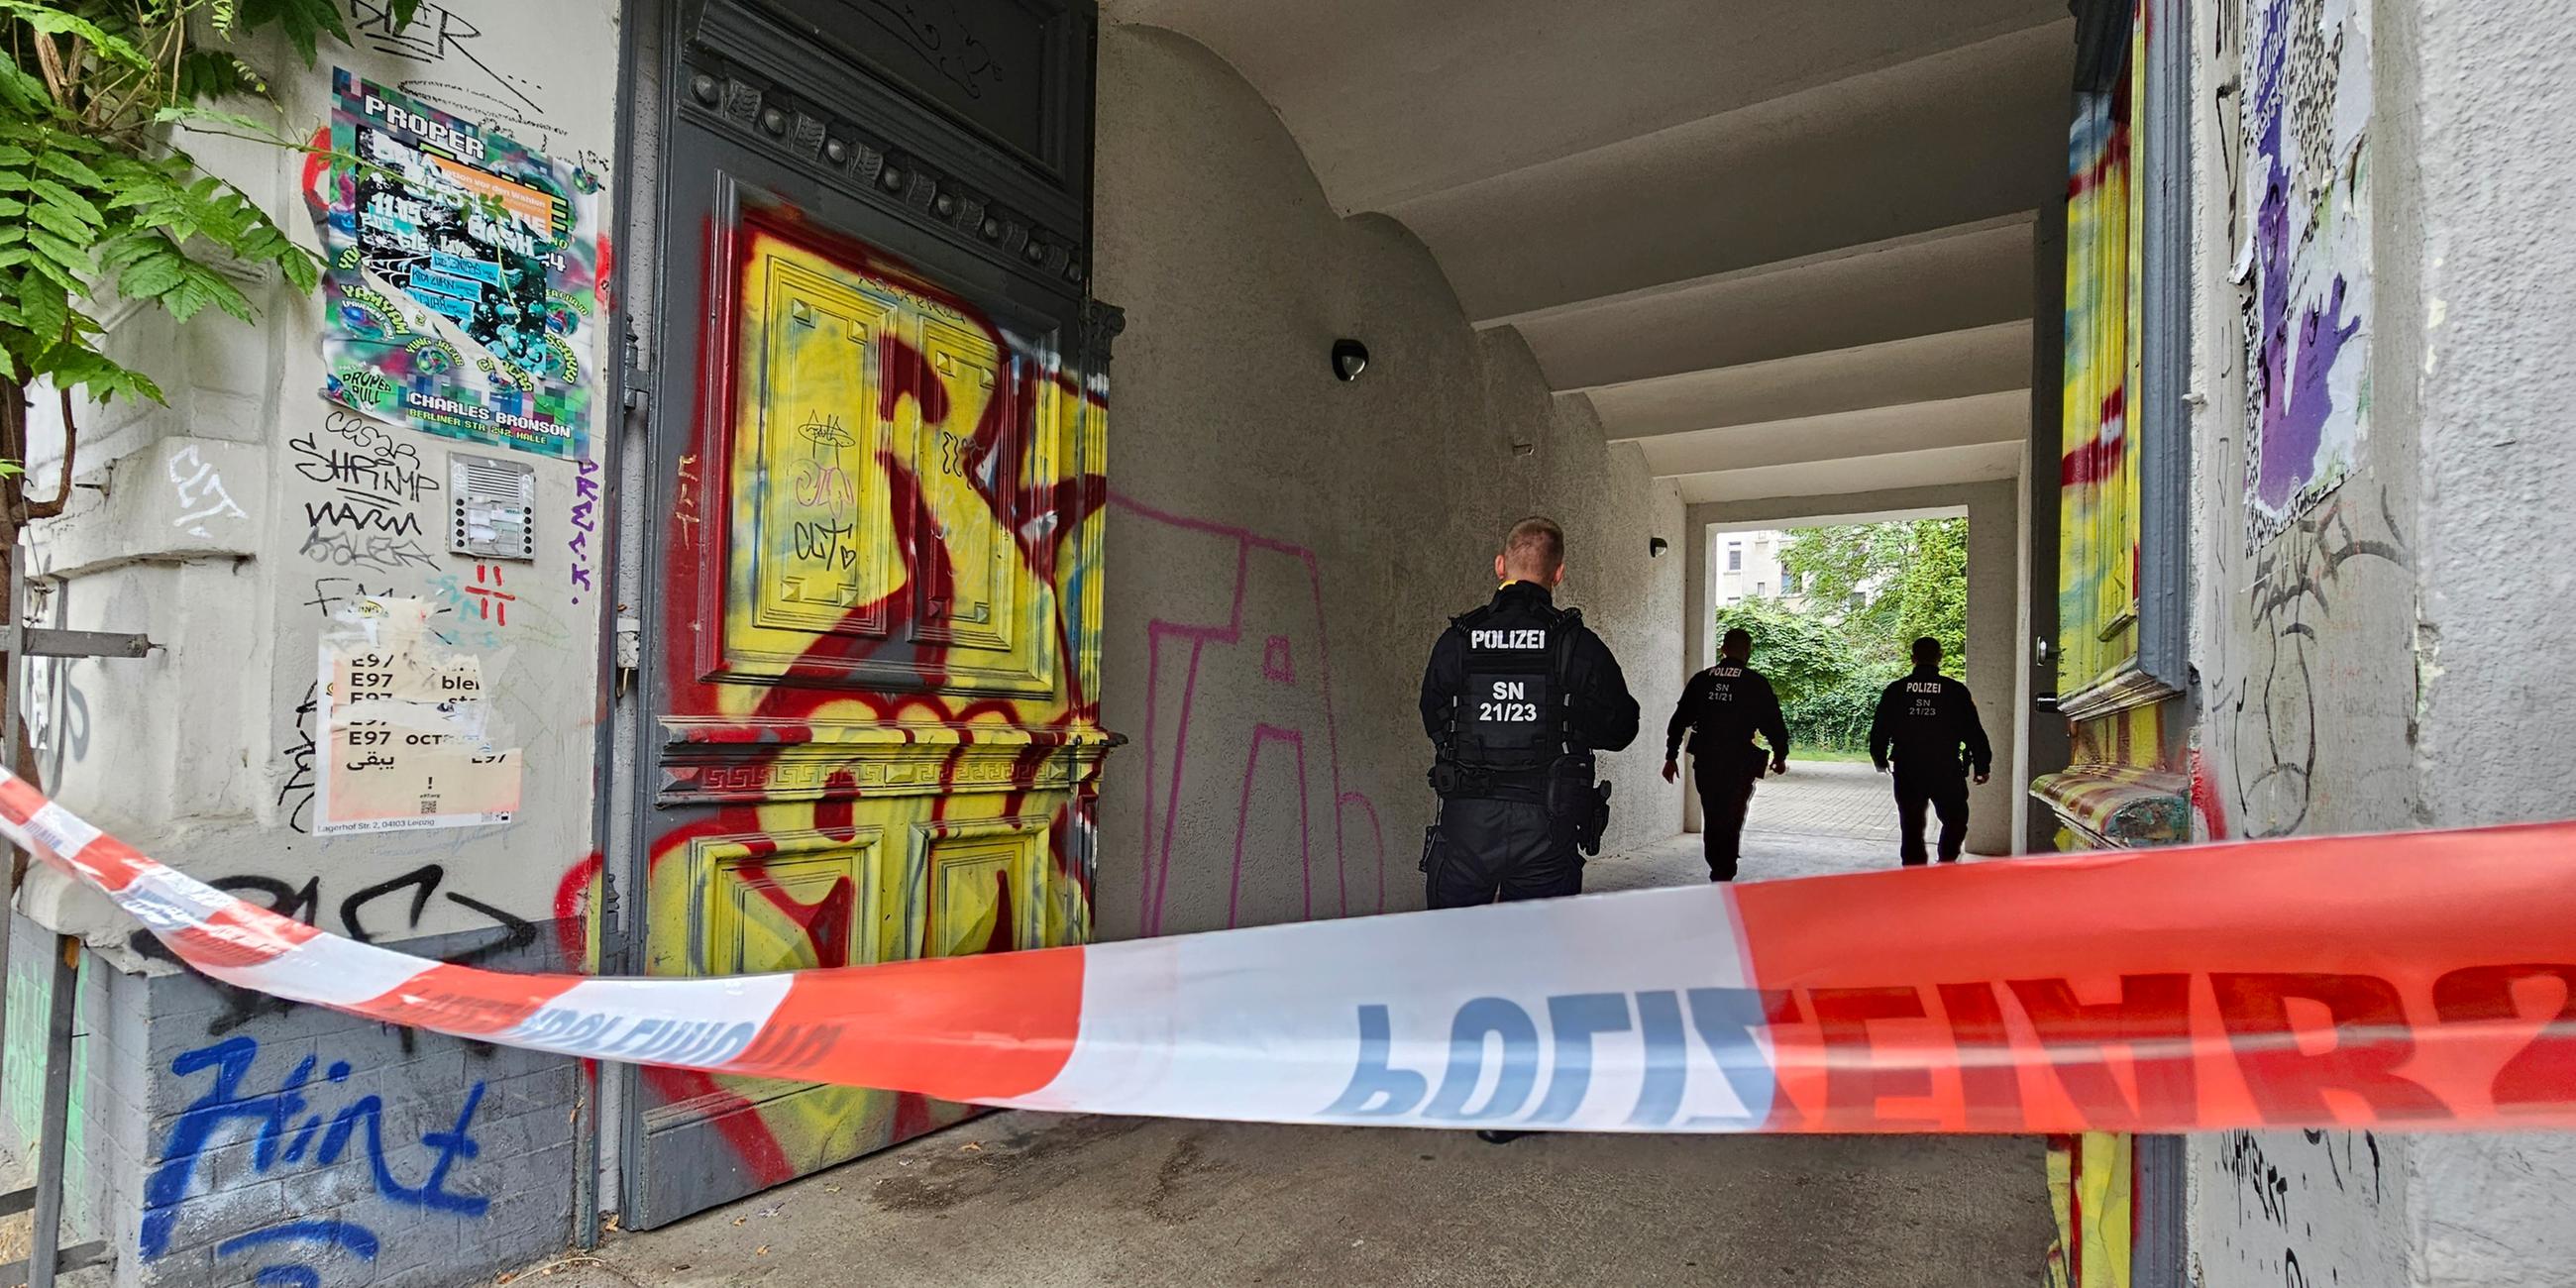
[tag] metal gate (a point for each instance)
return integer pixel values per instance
(869, 648)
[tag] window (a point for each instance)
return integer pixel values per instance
(1735, 556)
(1762, 588)
(1788, 581)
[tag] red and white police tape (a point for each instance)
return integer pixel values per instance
(2404, 982)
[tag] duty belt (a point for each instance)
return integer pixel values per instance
(1458, 782)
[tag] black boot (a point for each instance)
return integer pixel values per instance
(1492, 1137)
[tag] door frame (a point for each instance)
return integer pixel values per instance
(740, 99)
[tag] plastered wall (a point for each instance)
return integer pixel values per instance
(1284, 547)
(2373, 587)
(233, 526)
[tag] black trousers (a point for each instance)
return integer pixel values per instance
(1501, 850)
(1725, 778)
(1945, 789)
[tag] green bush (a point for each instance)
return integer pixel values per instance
(1871, 588)
(1837, 718)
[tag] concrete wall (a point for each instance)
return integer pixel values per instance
(2486, 170)
(215, 525)
(1283, 547)
(1995, 668)
(2384, 655)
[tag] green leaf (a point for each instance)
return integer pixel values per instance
(229, 298)
(303, 21)
(186, 116)
(303, 271)
(41, 266)
(70, 167)
(24, 92)
(62, 250)
(13, 155)
(55, 22)
(61, 223)
(78, 367)
(128, 251)
(153, 277)
(213, 73)
(56, 196)
(63, 140)
(45, 304)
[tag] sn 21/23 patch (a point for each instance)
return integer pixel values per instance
(1508, 699)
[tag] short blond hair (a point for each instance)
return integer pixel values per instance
(1536, 545)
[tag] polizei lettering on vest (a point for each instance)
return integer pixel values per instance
(1529, 639)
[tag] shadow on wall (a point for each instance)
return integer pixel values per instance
(1239, 754)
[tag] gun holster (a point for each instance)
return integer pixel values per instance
(1571, 794)
(1595, 821)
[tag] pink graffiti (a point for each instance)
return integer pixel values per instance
(1279, 714)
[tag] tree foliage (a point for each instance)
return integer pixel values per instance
(1888, 583)
(1869, 590)
(1801, 654)
(95, 193)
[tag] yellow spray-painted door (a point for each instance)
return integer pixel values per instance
(873, 730)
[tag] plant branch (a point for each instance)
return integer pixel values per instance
(49, 60)
(63, 485)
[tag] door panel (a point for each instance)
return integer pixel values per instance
(873, 734)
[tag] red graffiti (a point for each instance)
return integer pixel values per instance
(908, 626)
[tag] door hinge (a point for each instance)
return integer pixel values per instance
(630, 651)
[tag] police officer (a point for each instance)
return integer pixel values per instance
(1722, 708)
(1926, 719)
(1518, 695)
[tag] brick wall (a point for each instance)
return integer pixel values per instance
(218, 1138)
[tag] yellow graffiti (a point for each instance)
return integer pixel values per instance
(2089, 1175)
(909, 632)
(2097, 593)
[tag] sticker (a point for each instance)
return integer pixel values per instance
(408, 739)
(461, 275)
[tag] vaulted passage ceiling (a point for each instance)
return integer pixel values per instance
(1785, 247)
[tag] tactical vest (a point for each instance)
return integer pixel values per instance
(1509, 717)
(1726, 715)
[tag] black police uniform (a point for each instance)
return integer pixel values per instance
(1517, 697)
(1722, 708)
(1926, 719)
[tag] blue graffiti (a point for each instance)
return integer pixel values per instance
(284, 1140)
(332, 1236)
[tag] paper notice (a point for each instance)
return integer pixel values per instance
(409, 741)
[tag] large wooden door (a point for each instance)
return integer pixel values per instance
(870, 728)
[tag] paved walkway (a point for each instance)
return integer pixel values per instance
(1821, 817)
(1052, 1201)
(1034, 1201)
(1826, 798)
